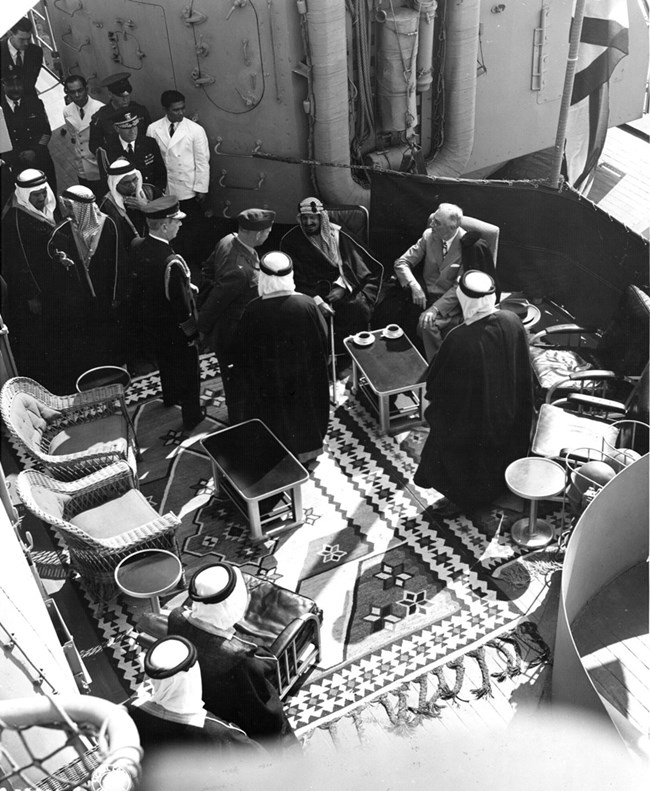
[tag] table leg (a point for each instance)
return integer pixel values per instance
(215, 478)
(355, 376)
(255, 520)
(155, 605)
(384, 417)
(530, 531)
(129, 420)
(296, 496)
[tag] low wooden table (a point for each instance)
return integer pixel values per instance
(149, 573)
(253, 468)
(389, 367)
(534, 478)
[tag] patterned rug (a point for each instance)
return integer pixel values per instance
(403, 591)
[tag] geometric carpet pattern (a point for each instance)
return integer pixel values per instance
(402, 590)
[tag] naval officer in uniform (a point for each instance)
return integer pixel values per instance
(165, 309)
(101, 125)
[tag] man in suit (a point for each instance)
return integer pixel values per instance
(232, 284)
(29, 130)
(20, 57)
(140, 150)
(101, 126)
(164, 306)
(185, 150)
(426, 305)
(77, 116)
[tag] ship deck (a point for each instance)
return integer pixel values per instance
(621, 187)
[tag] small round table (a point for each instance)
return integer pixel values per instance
(102, 376)
(534, 479)
(149, 573)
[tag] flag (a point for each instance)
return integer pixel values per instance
(603, 42)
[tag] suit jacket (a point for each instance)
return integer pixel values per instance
(186, 155)
(79, 130)
(146, 157)
(101, 124)
(234, 286)
(27, 124)
(32, 63)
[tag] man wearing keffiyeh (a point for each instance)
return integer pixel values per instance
(334, 268)
(89, 240)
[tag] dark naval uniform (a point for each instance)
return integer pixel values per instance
(101, 125)
(27, 124)
(164, 297)
(32, 58)
(146, 157)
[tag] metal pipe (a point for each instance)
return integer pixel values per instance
(565, 106)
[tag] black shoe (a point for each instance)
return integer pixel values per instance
(191, 425)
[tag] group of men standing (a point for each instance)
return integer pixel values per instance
(103, 273)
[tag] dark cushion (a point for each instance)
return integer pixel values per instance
(624, 346)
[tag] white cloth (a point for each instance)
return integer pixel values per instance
(118, 199)
(220, 617)
(22, 200)
(186, 156)
(79, 131)
(475, 308)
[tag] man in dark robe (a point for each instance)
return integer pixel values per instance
(90, 239)
(126, 197)
(163, 302)
(279, 359)
(423, 299)
(480, 394)
(230, 276)
(334, 268)
(28, 270)
(237, 674)
(168, 708)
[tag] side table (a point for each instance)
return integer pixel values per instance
(534, 478)
(148, 574)
(103, 376)
(251, 466)
(382, 371)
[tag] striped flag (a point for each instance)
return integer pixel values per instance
(603, 42)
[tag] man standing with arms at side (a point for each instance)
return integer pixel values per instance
(168, 315)
(77, 117)
(186, 153)
(20, 57)
(235, 265)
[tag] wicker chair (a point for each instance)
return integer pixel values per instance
(101, 518)
(70, 435)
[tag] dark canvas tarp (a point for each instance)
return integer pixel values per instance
(553, 244)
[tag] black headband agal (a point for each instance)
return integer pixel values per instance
(288, 269)
(472, 293)
(214, 598)
(157, 672)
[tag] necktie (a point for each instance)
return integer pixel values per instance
(19, 59)
(81, 113)
(445, 247)
(129, 148)
(172, 129)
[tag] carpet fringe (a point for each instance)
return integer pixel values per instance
(516, 646)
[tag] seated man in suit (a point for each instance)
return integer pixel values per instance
(333, 268)
(424, 303)
(237, 674)
(168, 707)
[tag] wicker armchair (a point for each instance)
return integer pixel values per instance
(70, 435)
(101, 518)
